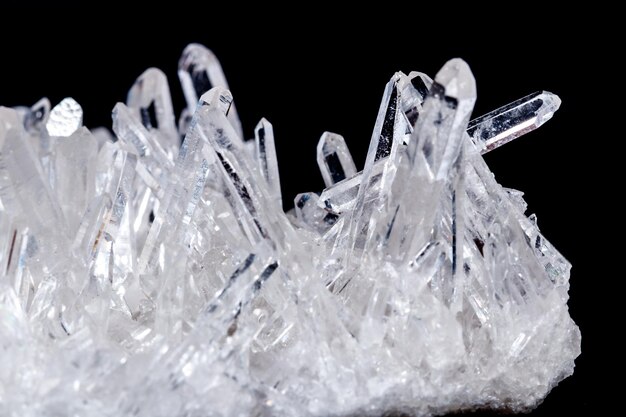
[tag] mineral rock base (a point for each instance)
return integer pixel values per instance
(153, 272)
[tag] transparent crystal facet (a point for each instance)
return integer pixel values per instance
(334, 159)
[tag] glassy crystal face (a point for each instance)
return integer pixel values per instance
(142, 277)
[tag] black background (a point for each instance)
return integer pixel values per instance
(330, 75)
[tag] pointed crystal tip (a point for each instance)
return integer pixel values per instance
(551, 103)
(151, 80)
(334, 159)
(506, 123)
(219, 97)
(457, 80)
(196, 54)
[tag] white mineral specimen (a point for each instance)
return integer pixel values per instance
(140, 279)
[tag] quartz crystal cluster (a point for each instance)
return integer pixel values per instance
(153, 272)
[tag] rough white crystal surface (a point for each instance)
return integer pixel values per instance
(143, 278)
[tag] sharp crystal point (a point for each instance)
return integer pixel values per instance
(146, 276)
(65, 118)
(421, 82)
(487, 132)
(37, 116)
(265, 151)
(415, 88)
(219, 97)
(151, 89)
(150, 99)
(502, 125)
(456, 80)
(334, 159)
(448, 107)
(382, 138)
(199, 71)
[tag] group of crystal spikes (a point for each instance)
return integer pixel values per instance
(153, 272)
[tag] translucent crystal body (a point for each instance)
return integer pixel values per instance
(144, 277)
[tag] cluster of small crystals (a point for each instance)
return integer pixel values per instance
(145, 277)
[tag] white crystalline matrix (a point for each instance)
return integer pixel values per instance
(142, 277)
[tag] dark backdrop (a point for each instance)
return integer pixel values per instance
(330, 75)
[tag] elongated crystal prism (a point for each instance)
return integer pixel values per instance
(37, 115)
(502, 125)
(487, 132)
(266, 157)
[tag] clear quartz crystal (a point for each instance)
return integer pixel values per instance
(199, 70)
(487, 133)
(65, 118)
(265, 151)
(150, 100)
(148, 277)
(502, 125)
(334, 159)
